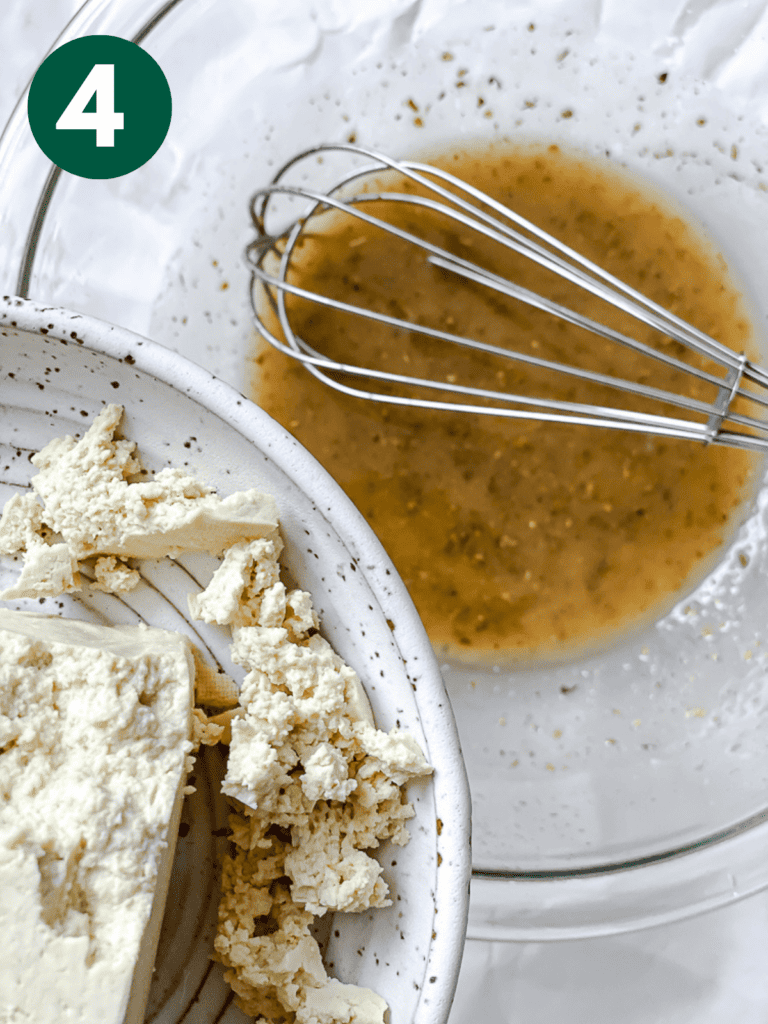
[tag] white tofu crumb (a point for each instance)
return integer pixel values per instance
(225, 720)
(49, 567)
(326, 775)
(21, 523)
(114, 576)
(205, 732)
(48, 570)
(300, 617)
(245, 589)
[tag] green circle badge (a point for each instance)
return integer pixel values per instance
(99, 107)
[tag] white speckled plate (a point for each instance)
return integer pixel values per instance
(57, 370)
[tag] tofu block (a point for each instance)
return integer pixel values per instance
(94, 745)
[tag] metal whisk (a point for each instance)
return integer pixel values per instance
(271, 257)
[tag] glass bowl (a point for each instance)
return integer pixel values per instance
(612, 791)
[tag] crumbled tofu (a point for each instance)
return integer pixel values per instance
(48, 570)
(93, 507)
(205, 732)
(94, 734)
(326, 775)
(315, 786)
(49, 567)
(21, 523)
(114, 576)
(275, 967)
(234, 595)
(301, 617)
(225, 720)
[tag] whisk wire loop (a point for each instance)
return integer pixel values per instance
(270, 284)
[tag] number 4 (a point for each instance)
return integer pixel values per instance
(104, 120)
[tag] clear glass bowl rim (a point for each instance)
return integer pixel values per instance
(606, 899)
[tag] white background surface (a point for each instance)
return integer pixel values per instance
(711, 970)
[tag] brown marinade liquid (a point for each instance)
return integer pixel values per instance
(516, 536)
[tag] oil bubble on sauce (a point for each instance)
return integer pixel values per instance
(520, 538)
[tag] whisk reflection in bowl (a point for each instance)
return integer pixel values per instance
(272, 258)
